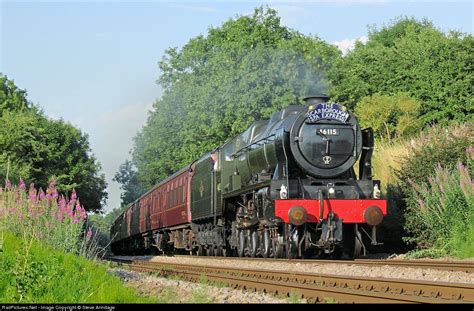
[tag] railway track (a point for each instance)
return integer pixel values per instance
(463, 266)
(316, 287)
(425, 264)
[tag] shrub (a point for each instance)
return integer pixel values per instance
(439, 145)
(440, 212)
(390, 116)
(416, 159)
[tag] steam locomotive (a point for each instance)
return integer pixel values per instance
(286, 187)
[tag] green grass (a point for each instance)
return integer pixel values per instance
(200, 296)
(464, 244)
(294, 297)
(33, 273)
(329, 300)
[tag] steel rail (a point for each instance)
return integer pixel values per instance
(317, 287)
(453, 265)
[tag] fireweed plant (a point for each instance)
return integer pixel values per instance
(48, 217)
(44, 250)
(440, 212)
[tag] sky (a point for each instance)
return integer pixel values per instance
(95, 63)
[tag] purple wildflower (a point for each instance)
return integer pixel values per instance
(89, 234)
(32, 193)
(8, 184)
(41, 194)
(81, 210)
(62, 202)
(22, 184)
(52, 192)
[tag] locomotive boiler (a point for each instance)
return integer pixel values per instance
(286, 187)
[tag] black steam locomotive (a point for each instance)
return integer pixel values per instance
(286, 187)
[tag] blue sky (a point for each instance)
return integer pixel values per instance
(95, 63)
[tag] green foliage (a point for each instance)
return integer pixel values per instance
(294, 297)
(440, 212)
(435, 68)
(127, 176)
(329, 300)
(463, 243)
(11, 97)
(438, 145)
(33, 273)
(391, 117)
(200, 296)
(216, 86)
(35, 148)
(425, 253)
(396, 163)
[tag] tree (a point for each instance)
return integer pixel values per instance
(127, 176)
(218, 85)
(11, 97)
(390, 116)
(414, 57)
(36, 148)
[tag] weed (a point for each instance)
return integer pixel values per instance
(294, 297)
(219, 284)
(425, 253)
(200, 296)
(169, 295)
(329, 300)
(203, 279)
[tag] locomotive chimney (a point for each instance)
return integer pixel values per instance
(316, 99)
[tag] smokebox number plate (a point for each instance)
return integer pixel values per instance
(333, 132)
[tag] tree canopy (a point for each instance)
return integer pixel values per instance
(217, 85)
(127, 176)
(11, 97)
(414, 57)
(37, 148)
(390, 116)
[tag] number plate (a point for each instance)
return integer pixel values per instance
(331, 132)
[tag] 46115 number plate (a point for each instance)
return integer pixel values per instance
(332, 132)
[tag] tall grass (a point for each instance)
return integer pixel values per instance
(387, 160)
(440, 213)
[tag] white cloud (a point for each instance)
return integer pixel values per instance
(197, 8)
(291, 15)
(113, 140)
(346, 45)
